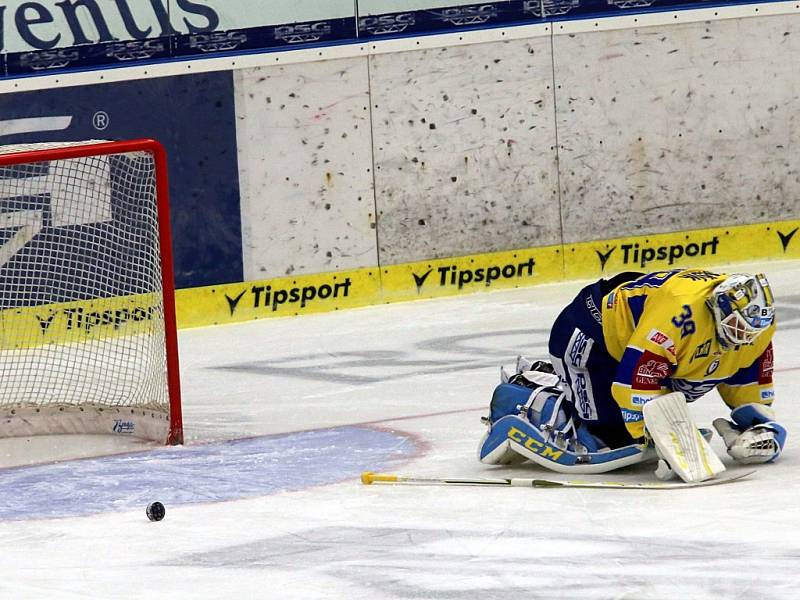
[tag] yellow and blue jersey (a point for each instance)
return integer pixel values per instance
(664, 337)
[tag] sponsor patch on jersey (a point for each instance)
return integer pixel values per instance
(766, 365)
(767, 395)
(576, 357)
(584, 397)
(649, 371)
(712, 367)
(692, 389)
(659, 338)
(610, 300)
(637, 400)
(580, 345)
(593, 310)
(702, 350)
(631, 416)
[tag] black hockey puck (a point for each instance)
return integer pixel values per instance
(155, 511)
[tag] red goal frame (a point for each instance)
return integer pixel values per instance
(154, 148)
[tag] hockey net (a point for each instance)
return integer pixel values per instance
(87, 318)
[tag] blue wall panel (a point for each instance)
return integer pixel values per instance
(193, 117)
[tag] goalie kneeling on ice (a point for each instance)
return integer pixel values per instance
(531, 420)
(625, 342)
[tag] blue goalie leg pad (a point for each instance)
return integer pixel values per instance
(590, 442)
(508, 399)
(542, 405)
(549, 411)
(515, 435)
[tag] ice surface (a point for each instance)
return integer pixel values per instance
(281, 415)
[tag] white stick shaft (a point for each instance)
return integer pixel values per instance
(369, 478)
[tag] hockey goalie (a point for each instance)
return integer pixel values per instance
(626, 355)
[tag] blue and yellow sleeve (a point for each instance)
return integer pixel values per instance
(647, 362)
(751, 384)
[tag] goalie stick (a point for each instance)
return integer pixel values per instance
(369, 478)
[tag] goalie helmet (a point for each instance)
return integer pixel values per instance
(743, 308)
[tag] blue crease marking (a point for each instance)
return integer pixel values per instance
(214, 472)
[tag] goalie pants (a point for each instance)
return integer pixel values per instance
(587, 370)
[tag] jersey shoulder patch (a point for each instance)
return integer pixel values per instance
(661, 339)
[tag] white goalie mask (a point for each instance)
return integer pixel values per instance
(743, 308)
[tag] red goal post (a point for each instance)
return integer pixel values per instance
(88, 340)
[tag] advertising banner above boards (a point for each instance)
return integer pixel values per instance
(306, 294)
(45, 36)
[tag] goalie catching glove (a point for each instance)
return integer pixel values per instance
(752, 436)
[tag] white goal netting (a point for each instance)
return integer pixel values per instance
(83, 345)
